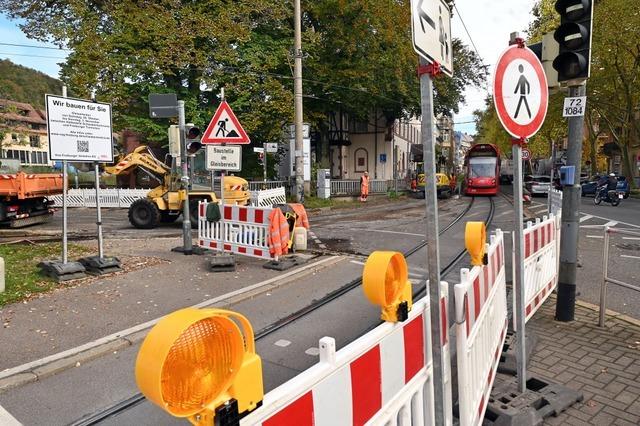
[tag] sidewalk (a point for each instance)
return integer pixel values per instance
(603, 363)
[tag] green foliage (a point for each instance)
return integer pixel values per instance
(22, 84)
(23, 278)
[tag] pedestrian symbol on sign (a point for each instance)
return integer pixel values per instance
(525, 88)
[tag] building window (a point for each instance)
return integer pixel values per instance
(23, 156)
(45, 157)
(14, 137)
(34, 157)
(34, 141)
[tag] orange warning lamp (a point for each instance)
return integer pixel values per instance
(475, 238)
(385, 281)
(201, 364)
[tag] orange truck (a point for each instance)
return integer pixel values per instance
(23, 198)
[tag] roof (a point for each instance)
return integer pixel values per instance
(25, 113)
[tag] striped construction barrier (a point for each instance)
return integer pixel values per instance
(481, 327)
(244, 230)
(384, 377)
(541, 262)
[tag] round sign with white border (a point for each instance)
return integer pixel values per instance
(520, 92)
(526, 154)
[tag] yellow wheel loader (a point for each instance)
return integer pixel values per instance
(164, 203)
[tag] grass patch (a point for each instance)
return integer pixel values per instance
(22, 275)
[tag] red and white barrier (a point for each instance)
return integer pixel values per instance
(541, 263)
(384, 377)
(481, 327)
(244, 230)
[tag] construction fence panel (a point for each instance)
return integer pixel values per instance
(244, 230)
(269, 184)
(385, 377)
(352, 187)
(269, 197)
(109, 197)
(481, 327)
(541, 263)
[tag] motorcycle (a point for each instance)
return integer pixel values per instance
(608, 195)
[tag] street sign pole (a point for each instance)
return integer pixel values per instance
(98, 212)
(565, 304)
(299, 148)
(264, 164)
(65, 182)
(187, 248)
(433, 243)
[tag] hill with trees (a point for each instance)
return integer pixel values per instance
(22, 84)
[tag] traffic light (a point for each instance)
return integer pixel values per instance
(201, 364)
(192, 135)
(574, 39)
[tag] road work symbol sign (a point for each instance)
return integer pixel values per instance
(520, 92)
(431, 27)
(225, 128)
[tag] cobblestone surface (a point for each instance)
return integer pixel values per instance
(603, 363)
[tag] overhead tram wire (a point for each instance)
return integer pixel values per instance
(124, 405)
(33, 46)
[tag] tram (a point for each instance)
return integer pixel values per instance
(482, 165)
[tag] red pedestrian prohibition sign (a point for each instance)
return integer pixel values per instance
(520, 92)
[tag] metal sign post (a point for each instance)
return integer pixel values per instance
(98, 212)
(187, 248)
(521, 99)
(65, 183)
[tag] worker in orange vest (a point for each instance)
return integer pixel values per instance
(364, 186)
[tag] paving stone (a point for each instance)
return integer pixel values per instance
(622, 415)
(603, 419)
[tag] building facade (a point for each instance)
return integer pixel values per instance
(23, 133)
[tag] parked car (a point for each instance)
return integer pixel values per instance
(537, 184)
(623, 186)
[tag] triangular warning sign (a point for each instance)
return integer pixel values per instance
(225, 128)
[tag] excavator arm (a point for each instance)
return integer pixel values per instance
(143, 158)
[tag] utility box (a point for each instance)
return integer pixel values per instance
(324, 184)
(567, 175)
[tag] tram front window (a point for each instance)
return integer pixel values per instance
(482, 167)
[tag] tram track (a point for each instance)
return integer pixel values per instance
(138, 398)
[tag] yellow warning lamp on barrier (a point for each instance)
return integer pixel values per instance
(201, 364)
(385, 281)
(475, 238)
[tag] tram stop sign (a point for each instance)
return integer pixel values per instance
(520, 91)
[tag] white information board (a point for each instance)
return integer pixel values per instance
(227, 157)
(431, 28)
(574, 107)
(79, 130)
(271, 147)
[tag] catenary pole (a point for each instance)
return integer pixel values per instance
(433, 244)
(298, 154)
(186, 219)
(565, 304)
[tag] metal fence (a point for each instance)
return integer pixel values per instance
(269, 184)
(605, 268)
(352, 187)
(114, 198)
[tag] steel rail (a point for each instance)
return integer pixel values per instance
(136, 399)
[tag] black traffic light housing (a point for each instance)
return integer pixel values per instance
(192, 134)
(574, 39)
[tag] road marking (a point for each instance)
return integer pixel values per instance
(388, 232)
(629, 256)
(504, 213)
(312, 351)
(282, 343)
(595, 236)
(6, 419)
(592, 227)
(631, 238)
(120, 335)
(611, 223)
(585, 218)
(608, 219)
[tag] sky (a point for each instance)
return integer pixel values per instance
(489, 23)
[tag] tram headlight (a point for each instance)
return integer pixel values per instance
(475, 238)
(195, 361)
(385, 281)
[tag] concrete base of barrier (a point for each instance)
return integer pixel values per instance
(508, 360)
(195, 250)
(541, 400)
(222, 262)
(95, 265)
(285, 263)
(62, 271)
